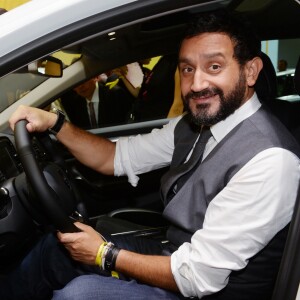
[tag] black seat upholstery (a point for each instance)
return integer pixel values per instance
(266, 88)
(294, 116)
(266, 84)
(297, 77)
(134, 221)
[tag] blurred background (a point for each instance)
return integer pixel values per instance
(10, 4)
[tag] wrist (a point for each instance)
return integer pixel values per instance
(106, 257)
(59, 122)
(98, 259)
(110, 258)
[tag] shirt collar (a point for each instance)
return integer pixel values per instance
(222, 128)
(95, 97)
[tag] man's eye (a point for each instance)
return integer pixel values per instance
(187, 70)
(214, 67)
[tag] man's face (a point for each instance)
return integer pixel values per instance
(282, 65)
(213, 84)
(86, 89)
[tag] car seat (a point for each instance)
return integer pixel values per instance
(266, 88)
(134, 221)
(266, 84)
(297, 77)
(296, 105)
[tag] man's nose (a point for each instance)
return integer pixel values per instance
(200, 81)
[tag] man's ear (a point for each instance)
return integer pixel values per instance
(253, 67)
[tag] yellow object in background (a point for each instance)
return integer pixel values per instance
(10, 4)
(152, 63)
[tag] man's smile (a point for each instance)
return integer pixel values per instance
(205, 98)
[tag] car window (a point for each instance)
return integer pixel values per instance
(134, 83)
(146, 47)
(284, 55)
(16, 85)
(136, 92)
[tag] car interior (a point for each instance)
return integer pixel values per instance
(44, 188)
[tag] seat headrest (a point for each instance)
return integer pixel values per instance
(266, 84)
(297, 77)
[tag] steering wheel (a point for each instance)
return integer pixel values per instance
(50, 182)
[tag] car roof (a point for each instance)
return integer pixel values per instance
(38, 18)
(34, 19)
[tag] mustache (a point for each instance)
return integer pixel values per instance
(209, 92)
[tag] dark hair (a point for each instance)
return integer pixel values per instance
(246, 44)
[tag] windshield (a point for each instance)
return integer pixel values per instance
(16, 85)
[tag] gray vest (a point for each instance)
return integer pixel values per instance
(186, 209)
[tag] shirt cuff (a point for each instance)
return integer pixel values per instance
(196, 279)
(122, 163)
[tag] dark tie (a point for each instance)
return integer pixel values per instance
(177, 176)
(92, 114)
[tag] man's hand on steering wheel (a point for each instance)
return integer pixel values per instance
(38, 120)
(52, 183)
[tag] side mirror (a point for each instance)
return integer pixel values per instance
(48, 66)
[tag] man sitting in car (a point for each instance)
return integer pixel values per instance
(92, 104)
(229, 194)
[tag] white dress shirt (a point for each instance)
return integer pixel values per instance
(256, 203)
(95, 100)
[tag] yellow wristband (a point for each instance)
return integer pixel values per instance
(98, 260)
(115, 274)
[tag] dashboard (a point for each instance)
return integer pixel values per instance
(10, 165)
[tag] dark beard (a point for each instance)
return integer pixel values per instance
(228, 104)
